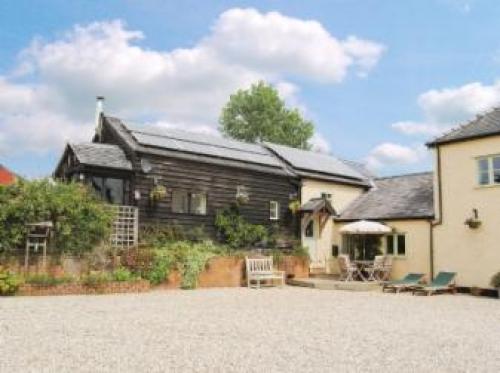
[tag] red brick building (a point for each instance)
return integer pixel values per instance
(6, 177)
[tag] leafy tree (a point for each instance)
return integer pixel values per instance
(80, 219)
(259, 114)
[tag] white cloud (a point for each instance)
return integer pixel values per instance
(391, 154)
(319, 143)
(444, 108)
(185, 86)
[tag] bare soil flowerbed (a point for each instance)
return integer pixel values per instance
(237, 329)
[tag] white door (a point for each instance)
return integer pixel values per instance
(309, 240)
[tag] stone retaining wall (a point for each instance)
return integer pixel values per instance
(77, 288)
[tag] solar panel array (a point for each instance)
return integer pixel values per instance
(197, 143)
(316, 162)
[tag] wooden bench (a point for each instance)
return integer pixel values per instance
(261, 269)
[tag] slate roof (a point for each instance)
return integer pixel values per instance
(216, 150)
(310, 164)
(102, 155)
(397, 197)
(484, 125)
(316, 204)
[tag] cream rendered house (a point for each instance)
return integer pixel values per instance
(467, 162)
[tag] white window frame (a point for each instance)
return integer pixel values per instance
(274, 210)
(491, 170)
(395, 245)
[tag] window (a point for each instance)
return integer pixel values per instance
(198, 203)
(180, 202)
(327, 196)
(184, 202)
(109, 189)
(274, 210)
(488, 170)
(309, 229)
(396, 245)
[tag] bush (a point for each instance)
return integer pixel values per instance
(495, 280)
(9, 283)
(122, 274)
(236, 231)
(95, 279)
(80, 219)
(163, 261)
(161, 234)
(300, 251)
(46, 280)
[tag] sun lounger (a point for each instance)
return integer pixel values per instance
(409, 281)
(443, 282)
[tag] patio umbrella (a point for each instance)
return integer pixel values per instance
(365, 227)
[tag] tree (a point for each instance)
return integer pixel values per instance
(259, 114)
(80, 219)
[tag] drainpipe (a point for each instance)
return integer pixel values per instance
(439, 220)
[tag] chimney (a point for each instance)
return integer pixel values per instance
(99, 109)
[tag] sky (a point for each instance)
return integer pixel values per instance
(377, 78)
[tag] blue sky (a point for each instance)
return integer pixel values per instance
(378, 78)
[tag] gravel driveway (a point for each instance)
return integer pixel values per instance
(241, 330)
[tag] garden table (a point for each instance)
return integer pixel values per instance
(361, 266)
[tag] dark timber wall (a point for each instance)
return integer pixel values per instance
(220, 184)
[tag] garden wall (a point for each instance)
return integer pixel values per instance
(139, 286)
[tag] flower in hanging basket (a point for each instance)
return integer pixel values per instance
(473, 223)
(294, 206)
(242, 195)
(158, 193)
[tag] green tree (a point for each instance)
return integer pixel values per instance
(259, 114)
(80, 219)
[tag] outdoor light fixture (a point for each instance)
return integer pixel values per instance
(473, 222)
(137, 195)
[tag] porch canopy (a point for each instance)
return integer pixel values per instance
(320, 207)
(365, 227)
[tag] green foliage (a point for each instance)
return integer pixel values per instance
(300, 251)
(186, 256)
(495, 280)
(162, 263)
(95, 279)
(80, 219)
(44, 279)
(259, 114)
(161, 234)
(236, 231)
(122, 274)
(9, 283)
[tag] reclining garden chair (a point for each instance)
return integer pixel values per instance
(443, 282)
(409, 281)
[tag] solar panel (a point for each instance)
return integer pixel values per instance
(206, 145)
(311, 161)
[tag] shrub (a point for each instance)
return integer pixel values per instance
(95, 279)
(236, 231)
(163, 262)
(495, 280)
(160, 234)
(47, 280)
(300, 251)
(9, 283)
(122, 274)
(80, 219)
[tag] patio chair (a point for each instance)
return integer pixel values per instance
(443, 282)
(375, 270)
(348, 270)
(408, 282)
(387, 268)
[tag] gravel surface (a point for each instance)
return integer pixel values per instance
(241, 330)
